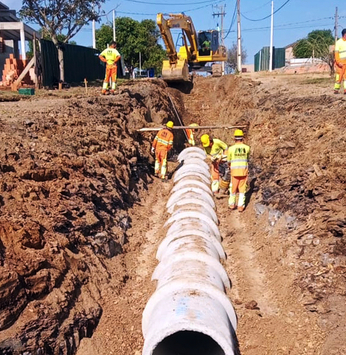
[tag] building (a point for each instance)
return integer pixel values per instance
(13, 37)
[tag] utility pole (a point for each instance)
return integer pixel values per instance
(336, 24)
(221, 13)
(94, 34)
(239, 66)
(114, 34)
(271, 39)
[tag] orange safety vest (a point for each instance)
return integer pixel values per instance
(163, 140)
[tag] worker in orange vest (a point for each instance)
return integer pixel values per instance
(110, 56)
(190, 132)
(340, 62)
(238, 157)
(162, 144)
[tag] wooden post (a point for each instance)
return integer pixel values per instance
(86, 86)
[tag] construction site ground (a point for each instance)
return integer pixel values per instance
(82, 215)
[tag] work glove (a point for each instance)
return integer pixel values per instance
(152, 150)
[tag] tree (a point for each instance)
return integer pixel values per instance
(232, 57)
(316, 45)
(61, 20)
(132, 38)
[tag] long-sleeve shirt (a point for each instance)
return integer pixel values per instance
(163, 140)
(217, 150)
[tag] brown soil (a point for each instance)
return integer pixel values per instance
(81, 215)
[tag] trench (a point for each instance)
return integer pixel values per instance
(279, 261)
(261, 262)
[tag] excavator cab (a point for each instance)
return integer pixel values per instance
(208, 41)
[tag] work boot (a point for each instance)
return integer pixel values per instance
(232, 207)
(112, 92)
(104, 92)
(344, 92)
(336, 91)
(241, 208)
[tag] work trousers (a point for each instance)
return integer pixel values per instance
(340, 75)
(161, 163)
(111, 73)
(219, 169)
(238, 184)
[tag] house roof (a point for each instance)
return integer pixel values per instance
(10, 25)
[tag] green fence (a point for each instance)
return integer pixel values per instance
(79, 62)
(262, 58)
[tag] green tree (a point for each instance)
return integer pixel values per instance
(61, 18)
(132, 38)
(316, 45)
(232, 57)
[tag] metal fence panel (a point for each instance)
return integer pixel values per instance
(79, 63)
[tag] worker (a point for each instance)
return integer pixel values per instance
(206, 45)
(190, 134)
(340, 62)
(217, 151)
(110, 56)
(162, 144)
(238, 157)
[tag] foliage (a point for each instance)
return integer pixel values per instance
(316, 45)
(232, 55)
(132, 38)
(61, 18)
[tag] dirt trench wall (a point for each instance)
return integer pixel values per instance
(68, 174)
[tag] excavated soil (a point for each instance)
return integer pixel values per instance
(81, 215)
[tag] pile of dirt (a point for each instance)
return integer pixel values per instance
(69, 169)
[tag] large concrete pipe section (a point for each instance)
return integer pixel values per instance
(190, 313)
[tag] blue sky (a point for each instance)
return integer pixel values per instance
(293, 21)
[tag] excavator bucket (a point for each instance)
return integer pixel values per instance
(175, 72)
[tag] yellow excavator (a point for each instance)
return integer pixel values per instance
(197, 49)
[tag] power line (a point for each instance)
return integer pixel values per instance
(171, 4)
(154, 14)
(261, 19)
(259, 7)
(232, 21)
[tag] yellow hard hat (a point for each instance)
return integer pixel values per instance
(193, 125)
(238, 133)
(169, 124)
(205, 140)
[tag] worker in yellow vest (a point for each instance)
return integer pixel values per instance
(238, 159)
(340, 62)
(110, 56)
(216, 149)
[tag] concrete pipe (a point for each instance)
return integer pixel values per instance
(199, 176)
(194, 203)
(208, 261)
(190, 215)
(189, 181)
(193, 169)
(190, 313)
(190, 192)
(192, 152)
(195, 160)
(194, 224)
(189, 243)
(188, 232)
(205, 209)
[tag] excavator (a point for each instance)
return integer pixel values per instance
(197, 50)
